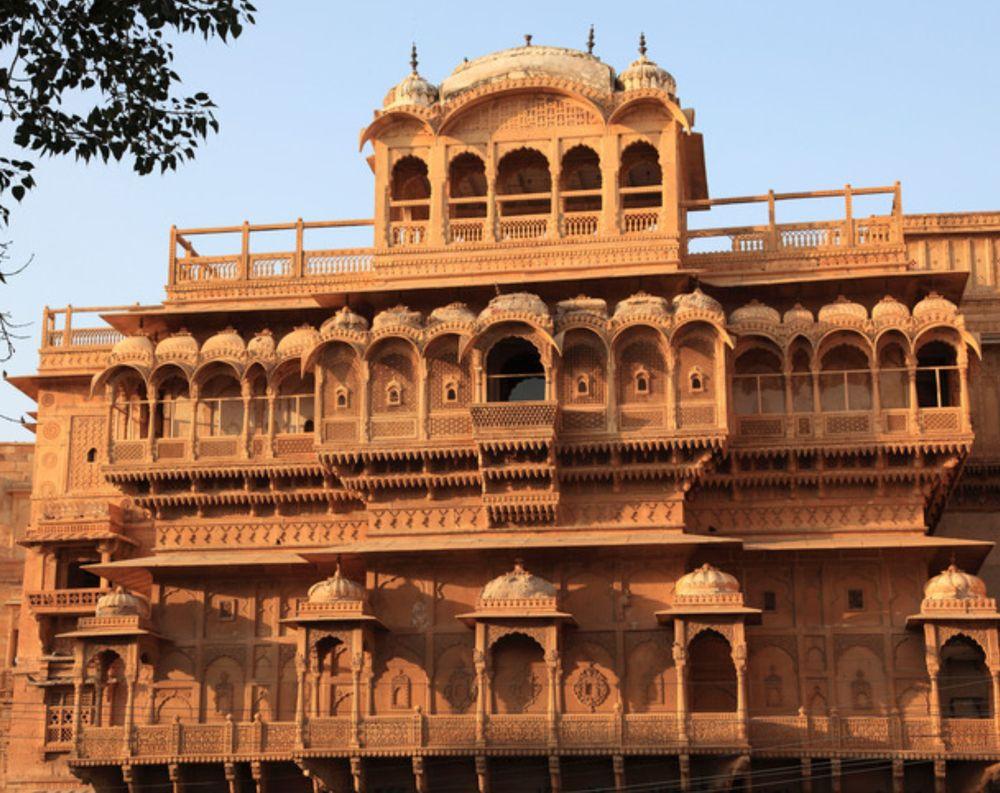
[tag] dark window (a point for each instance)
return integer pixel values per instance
(770, 602)
(77, 578)
(855, 599)
(91, 455)
(514, 372)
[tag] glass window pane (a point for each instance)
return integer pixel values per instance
(894, 389)
(802, 393)
(859, 391)
(926, 388)
(832, 393)
(745, 395)
(772, 394)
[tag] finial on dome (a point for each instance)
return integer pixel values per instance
(642, 44)
(527, 39)
(413, 57)
(590, 41)
(519, 565)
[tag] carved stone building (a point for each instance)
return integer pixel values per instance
(551, 488)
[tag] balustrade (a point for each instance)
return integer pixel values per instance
(503, 418)
(64, 601)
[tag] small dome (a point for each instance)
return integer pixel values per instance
(181, 346)
(336, 588)
(642, 305)
(516, 303)
(453, 313)
(696, 301)
(644, 73)
(261, 347)
(298, 342)
(889, 311)
(344, 320)
(755, 312)
(706, 580)
(843, 311)
(954, 584)
(133, 349)
(397, 316)
(798, 315)
(581, 304)
(226, 344)
(412, 90)
(120, 603)
(518, 584)
(934, 306)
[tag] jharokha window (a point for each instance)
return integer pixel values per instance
(514, 372)
(937, 376)
(524, 183)
(641, 382)
(294, 408)
(758, 384)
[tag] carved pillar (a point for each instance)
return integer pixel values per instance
(609, 185)
(671, 389)
(680, 664)
(555, 208)
(911, 382)
(437, 175)
(272, 415)
(151, 421)
(684, 762)
(963, 388)
(933, 670)
(230, 771)
(898, 776)
(364, 376)
(300, 697)
(720, 385)
(419, 775)
(193, 431)
(109, 427)
(835, 774)
(357, 667)
(553, 664)
(739, 655)
(257, 773)
(128, 777)
(358, 774)
(611, 389)
(817, 401)
(174, 775)
(940, 775)
(422, 398)
(789, 400)
(482, 693)
(876, 397)
(807, 781)
(478, 382)
(618, 768)
(314, 709)
(555, 774)
(129, 712)
(245, 430)
(482, 774)
(77, 705)
(490, 229)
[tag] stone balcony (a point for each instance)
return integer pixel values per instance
(534, 734)
(64, 601)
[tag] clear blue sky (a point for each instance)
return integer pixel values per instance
(789, 95)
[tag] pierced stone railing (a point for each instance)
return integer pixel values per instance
(460, 231)
(64, 601)
(523, 228)
(513, 419)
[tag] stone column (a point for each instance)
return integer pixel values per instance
(357, 667)
(739, 655)
(817, 401)
(230, 771)
(911, 378)
(898, 776)
(610, 164)
(555, 774)
(128, 777)
(789, 400)
(555, 210)
(618, 768)
(876, 397)
(419, 775)
(193, 430)
(807, 782)
(437, 174)
(259, 779)
(358, 774)
(940, 776)
(491, 226)
(300, 698)
(684, 761)
(995, 677)
(129, 713)
(174, 775)
(553, 664)
(933, 670)
(272, 416)
(482, 693)
(835, 774)
(245, 429)
(963, 389)
(671, 392)
(482, 774)
(680, 664)
(151, 421)
(77, 705)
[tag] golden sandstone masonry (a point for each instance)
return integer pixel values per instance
(545, 490)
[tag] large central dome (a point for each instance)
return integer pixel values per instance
(530, 61)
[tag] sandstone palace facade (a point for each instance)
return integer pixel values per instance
(555, 487)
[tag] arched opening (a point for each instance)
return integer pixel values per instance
(519, 675)
(466, 195)
(294, 409)
(893, 378)
(580, 189)
(259, 415)
(964, 680)
(394, 380)
(331, 662)
(758, 383)
(711, 674)
(802, 380)
(641, 176)
(524, 185)
(409, 202)
(91, 455)
(937, 376)
(220, 406)
(129, 408)
(514, 372)
(845, 380)
(105, 675)
(583, 372)
(173, 406)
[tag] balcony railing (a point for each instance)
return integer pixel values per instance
(836, 425)
(64, 601)
(499, 420)
(598, 732)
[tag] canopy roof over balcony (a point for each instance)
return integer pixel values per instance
(139, 573)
